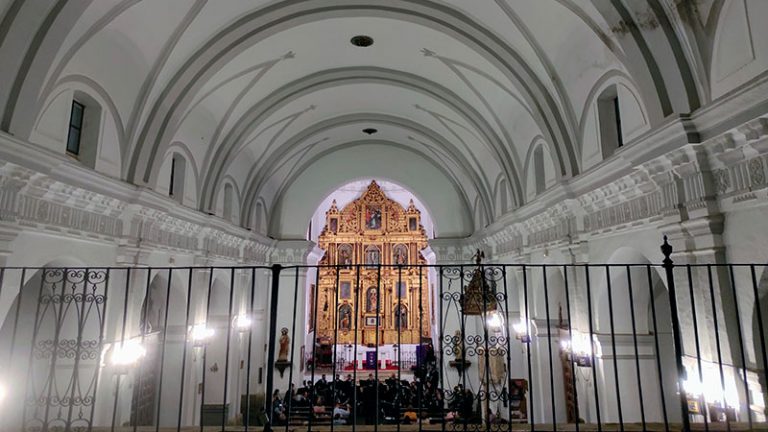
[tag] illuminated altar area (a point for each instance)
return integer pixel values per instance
(356, 306)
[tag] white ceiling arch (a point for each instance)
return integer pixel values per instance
(257, 89)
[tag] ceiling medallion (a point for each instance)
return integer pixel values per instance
(361, 41)
(370, 131)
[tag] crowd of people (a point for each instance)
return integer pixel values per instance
(391, 400)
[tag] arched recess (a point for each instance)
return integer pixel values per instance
(540, 172)
(304, 192)
(103, 135)
(229, 201)
(501, 195)
(631, 303)
(260, 216)
(162, 320)
(633, 115)
(185, 174)
(51, 341)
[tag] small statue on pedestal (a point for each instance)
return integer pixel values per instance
(282, 356)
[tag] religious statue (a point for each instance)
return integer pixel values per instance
(285, 341)
(400, 255)
(371, 300)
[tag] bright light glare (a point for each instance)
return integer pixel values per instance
(128, 353)
(522, 327)
(2, 393)
(243, 322)
(201, 333)
(495, 321)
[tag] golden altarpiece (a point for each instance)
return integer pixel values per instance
(372, 230)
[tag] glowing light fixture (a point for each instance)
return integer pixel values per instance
(495, 321)
(523, 330)
(243, 323)
(200, 334)
(127, 353)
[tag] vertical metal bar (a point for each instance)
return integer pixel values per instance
(357, 313)
(205, 347)
(272, 339)
(717, 339)
(741, 345)
(613, 347)
(420, 386)
(508, 347)
(250, 352)
(549, 349)
(668, 264)
(376, 371)
(184, 348)
(289, 396)
(335, 348)
(442, 354)
(570, 337)
(760, 324)
(399, 318)
(229, 340)
(18, 309)
(122, 342)
(656, 344)
(696, 335)
(634, 340)
(162, 353)
(527, 346)
(486, 347)
(34, 337)
(314, 363)
(101, 341)
(592, 347)
(463, 323)
(143, 332)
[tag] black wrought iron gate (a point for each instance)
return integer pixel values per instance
(499, 347)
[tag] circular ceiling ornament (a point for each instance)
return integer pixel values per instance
(361, 41)
(370, 131)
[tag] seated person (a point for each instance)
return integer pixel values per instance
(341, 410)
(338, 420)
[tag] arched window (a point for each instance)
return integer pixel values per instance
(609, 117)
(401, 317)
(345, 317)
(538, 169)
(228, 193)
(176, 184)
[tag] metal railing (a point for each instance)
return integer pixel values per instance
(555, 346)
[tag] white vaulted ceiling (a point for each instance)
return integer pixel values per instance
(272, 97)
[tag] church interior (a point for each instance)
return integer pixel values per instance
(487, 215)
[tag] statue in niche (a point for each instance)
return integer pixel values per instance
(285, 341)
(400, 255)
(371, 300)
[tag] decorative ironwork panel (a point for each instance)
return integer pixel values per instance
(66, 346)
